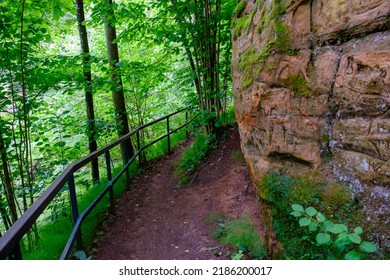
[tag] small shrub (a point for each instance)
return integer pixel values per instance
(280, 190)
(340, 241)
(241, 235)
(191, 157)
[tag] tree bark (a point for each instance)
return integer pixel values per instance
(8, 189)
(91, 127)
(117, 85)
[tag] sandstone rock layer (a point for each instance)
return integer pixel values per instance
(312, 88)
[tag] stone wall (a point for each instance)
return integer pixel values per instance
(312, 91)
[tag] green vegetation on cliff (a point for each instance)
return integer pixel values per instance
(252, 61)
(279, 190)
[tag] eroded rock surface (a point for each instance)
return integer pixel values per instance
(312, 87)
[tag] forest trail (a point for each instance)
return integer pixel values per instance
(158, 220)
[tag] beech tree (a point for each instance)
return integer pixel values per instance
(116, 79)
(91, 128)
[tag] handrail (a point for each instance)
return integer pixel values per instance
(9, 242)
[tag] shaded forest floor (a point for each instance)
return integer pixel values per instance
(156, 219)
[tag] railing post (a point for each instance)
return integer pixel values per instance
(138, 147)
(187, 132)
(109, 177)
(169, 137)
(75, 210)
(16, 253)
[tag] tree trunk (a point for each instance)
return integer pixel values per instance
(117, 86)
(8, 189)
(91, 128)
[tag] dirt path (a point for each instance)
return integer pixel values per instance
(155, 220)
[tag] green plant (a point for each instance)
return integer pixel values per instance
(279, 190)
(189, 161)
(342, 243)
(241, 235)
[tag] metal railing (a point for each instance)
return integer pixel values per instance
(9, 242)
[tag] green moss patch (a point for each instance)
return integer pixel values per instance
(298, 84)
(240, 25)
(239, 9)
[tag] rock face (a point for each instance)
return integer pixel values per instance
(312, 88)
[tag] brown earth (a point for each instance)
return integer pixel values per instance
(159, 220)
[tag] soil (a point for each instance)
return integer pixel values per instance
(159, 220)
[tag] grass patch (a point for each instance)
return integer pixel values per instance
(189, 161)
(241, 237)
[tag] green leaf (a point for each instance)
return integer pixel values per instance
(312, 226)
(296, 213)
(60, 144)
(303, 222)
(322, 238)
(338, 228)
(320, 218)
(342, 239)
(311, 211)
(358, 230)
(352, 255)
(354, 238)
(340, 248)
(297, 207)
(367, 247)
(328, 225)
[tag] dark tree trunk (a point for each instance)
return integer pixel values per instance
(91, 128)
(117, 86)
(8, 189)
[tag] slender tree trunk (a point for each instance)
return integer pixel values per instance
(91, 127)
(24, 124)
(117, 86)
(8, 188)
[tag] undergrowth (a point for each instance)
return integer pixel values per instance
(241, 237)
(280, 190)
(189, 162)
(340, 241)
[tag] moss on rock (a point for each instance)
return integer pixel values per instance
(298, 84)
(239, 9)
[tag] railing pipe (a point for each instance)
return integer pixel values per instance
(109, 176)
(169, 137)
(9, 242)
(75, 209)
(138, 147)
